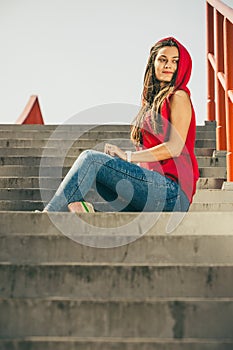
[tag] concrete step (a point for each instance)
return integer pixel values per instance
(210, 124)
(206, 143)
(83, 128)
(70, 127)
(65, 135)
(27, 182)
(51, 152)
(213, 196)
(35, 194)
(9, 183)
(204, 152)
(203, 161)
(50, 183)
(210, 183)
(59, 317)
(55, 171)
(207, 125)
(80, 145)
(62, 145)
(205, 134)
(29, 238)
(40, 223)
(77, 132)
(202, 206)
(113, 343)
(32, 171)
(34, 202)
(24, 188)
(68, 162)
(121, 282)
(211, 161)
(85, 142)
(27, 193)
(206, 206)
(30, 194)
(192, 249)
(54, 154)
(21, 205)
(215, 172)
(36, 161)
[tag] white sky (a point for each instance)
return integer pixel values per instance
(76, 55)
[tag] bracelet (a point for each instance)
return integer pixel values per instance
(128, 156)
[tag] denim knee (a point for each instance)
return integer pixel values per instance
(86, 154)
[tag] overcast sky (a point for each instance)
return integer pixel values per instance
(77, 55)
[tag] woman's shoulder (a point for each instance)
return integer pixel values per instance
(180, 93)
(180, 96)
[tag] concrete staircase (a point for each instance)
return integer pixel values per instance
(160, 291)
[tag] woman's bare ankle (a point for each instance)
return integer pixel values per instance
(81, 207)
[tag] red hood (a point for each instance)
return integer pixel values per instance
(184, 66)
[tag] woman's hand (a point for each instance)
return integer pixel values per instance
(113, 150)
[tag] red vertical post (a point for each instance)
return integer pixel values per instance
(220, 92)
(228, 61)
(210, 71)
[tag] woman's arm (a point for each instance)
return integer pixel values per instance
(181, 113)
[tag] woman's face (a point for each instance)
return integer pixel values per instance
(166, 63)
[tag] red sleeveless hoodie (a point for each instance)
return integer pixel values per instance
(184, 168)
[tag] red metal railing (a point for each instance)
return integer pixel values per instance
(219, 19)
(31, 113)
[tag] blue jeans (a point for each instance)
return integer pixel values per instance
(125, 186)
